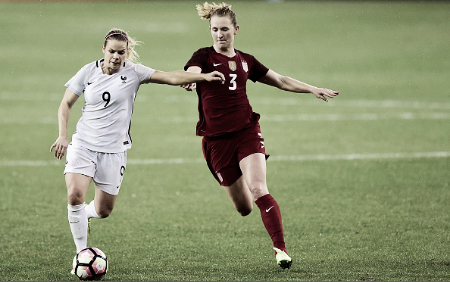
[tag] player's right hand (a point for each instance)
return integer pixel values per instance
(190, 86)
(60, 146)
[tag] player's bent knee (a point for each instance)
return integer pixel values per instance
(244, 211)
(259, 191)
(104, 213)
(75, 197)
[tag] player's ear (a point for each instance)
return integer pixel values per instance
(236, 29)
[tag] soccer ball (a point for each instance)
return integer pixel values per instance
(90, 264)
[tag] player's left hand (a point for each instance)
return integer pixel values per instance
(323, 93)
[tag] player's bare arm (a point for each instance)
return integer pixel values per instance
(182, 77)
(192, 86)
(289, 84)
(62, 141)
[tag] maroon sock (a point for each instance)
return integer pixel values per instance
(271, 217)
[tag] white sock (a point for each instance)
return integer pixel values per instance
(78, 225)
(90, 210)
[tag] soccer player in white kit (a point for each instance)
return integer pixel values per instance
(98, 148)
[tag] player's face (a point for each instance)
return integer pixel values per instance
(115, 54)
(223, 32)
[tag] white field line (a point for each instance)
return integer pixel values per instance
(362, 156)
(357, 117)
(299, 158)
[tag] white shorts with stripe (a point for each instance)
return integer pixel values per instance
(106, 169)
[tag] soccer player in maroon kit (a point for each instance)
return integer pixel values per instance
(232, 142)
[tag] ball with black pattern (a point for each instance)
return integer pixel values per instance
(90, 264)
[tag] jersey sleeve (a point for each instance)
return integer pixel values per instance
(198, 59)
(77, 83)
(259, 70)
(143, 73)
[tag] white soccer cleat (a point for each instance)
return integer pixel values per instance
(283, 260)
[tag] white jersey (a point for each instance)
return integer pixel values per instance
(105, 123)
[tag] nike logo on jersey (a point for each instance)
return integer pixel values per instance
(89, 83)
(217, 64)
(267, 210)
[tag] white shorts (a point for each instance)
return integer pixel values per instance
(106, 169)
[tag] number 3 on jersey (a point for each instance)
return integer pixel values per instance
(233, 81)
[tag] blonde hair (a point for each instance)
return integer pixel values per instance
(208, 10)
(120, 35)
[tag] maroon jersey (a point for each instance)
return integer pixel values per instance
(225, 107)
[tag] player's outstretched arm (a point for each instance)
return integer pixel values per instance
(183, 77)
(192, 86)
(289, 84)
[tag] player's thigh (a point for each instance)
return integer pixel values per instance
(110, 172)
(104, 202)
(240, 196)
(80, 160)
(254, 173)
(79, 170)
(77, 187)
(108, 180)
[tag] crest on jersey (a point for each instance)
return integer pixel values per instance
(244, 66)
(232, 65)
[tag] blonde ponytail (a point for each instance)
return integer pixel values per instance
(208, 10)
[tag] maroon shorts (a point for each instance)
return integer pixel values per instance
(224, 152)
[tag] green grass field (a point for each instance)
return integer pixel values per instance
(362, 181)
